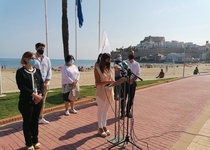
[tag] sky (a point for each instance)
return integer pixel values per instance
(126, 22)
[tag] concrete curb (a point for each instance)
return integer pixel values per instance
(46, 111)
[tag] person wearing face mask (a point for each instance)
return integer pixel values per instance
(44, 64)
(31, 86)
(119, 89)
(70, 80)
(117, 74)
(104, 96)
(135, 68)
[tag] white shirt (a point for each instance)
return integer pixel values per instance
(45, 66)
(134, 66)
(70, 74)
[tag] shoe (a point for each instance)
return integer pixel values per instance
(37, 146)
(122, 117)
(107, 132)
(30, 148)
(129, 115)
(102, 134)
(67, 113)
(43, 121)
(73, 111)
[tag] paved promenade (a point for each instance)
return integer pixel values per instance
(175, 116)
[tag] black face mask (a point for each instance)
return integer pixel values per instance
(40, 51)
(107, 64)
(130, 56)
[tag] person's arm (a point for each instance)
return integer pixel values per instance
(158, 75)
(21, 83)
(78, 76)
(49, 72)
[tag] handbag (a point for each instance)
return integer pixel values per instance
(74, 93)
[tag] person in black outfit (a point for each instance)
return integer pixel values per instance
(30, 84)
(131, 87)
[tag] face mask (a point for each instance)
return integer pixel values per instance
(130, 56)
(119, 58)
(40, 51)
(32, 62)
(107, 64)
(71, 61)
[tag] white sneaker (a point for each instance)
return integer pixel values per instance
(73, 111)
(43, 121)
(67, 113)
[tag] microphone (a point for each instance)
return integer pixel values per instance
(118, 67)
(125, 65)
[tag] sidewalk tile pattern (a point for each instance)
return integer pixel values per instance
(161, 113)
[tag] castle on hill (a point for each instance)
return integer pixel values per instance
(156, 49)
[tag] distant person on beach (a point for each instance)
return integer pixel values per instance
(161, 74)
(103, 76)
(70, 84)
(44, 64)
(196, 71)
(135, 68)
(31, 86)
(98, 60)
(166, 68)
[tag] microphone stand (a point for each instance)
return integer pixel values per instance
(120, 88)
(127, 138)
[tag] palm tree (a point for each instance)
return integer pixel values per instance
(65, 28)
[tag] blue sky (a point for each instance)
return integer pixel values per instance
(126, 22)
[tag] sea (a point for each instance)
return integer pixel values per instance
(14, 63)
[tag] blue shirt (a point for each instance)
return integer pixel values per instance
(44, 65)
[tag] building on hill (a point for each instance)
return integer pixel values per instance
(155, 39)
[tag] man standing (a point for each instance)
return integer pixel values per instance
(43, 63)
(119, 90)
(135, 68)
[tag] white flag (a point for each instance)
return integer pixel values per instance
(104, 45)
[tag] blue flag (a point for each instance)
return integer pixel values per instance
(79, 13)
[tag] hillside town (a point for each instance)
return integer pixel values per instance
(156, 49)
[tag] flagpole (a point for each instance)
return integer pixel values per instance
(76, 33)
(99, 25)
(46, 26)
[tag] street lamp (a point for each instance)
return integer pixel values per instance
(184, 61)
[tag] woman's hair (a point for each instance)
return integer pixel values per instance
(26, 55)
(98, 59)
(102, 63)
(68, 58)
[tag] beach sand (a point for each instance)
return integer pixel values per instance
(87, 77)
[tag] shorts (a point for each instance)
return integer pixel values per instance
(66, 97)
